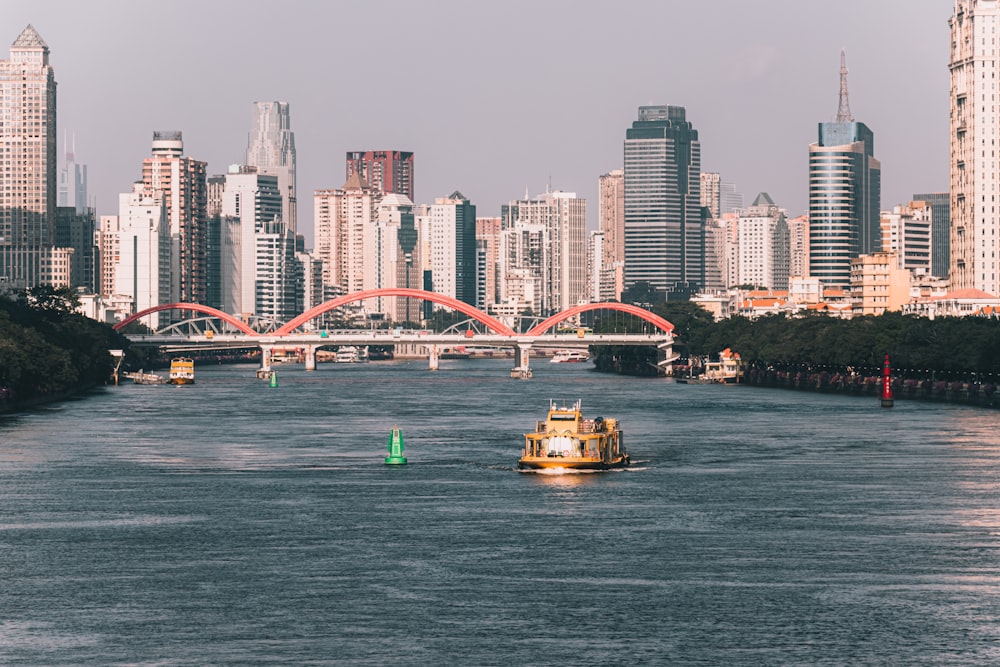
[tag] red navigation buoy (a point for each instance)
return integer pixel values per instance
(886, 385)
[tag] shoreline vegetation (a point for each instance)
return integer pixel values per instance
(954, 359)
(48, 352)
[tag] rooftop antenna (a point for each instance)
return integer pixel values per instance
(844, 109)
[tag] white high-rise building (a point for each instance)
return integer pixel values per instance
(560, 259)
(142, 269)
(906, 233)
(762, 239)
(525, 253)
(436, 224)
(975, 125)
(272, 150)
(258, 269)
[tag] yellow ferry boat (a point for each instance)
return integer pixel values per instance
(182, 370)
(566, 440)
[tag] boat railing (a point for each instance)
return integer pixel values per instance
(584, 426)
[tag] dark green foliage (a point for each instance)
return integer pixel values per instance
(944, 348)
(47, 349)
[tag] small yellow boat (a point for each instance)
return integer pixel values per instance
(182, 370)
(566, 440)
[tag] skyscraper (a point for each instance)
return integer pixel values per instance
(762, 245)
(385, 171)
(258, 269)
(545, 239)
(72, 180)
(142, 267)
(345, 224)
(182, 184)
(975, 223)
(395, 258)
(844, 194)
(28, 186)
(448, 236)
(487, 262)
(940, 231)
(272, 150)
(611, 223)
(907, 234)
(664, 230)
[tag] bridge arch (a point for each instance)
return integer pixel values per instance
(196, 307)
(462, 307)
(652, 318)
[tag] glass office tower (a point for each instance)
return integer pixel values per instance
(664, 227)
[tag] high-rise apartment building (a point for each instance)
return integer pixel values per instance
(259, 273)
(142, 270)
(664, 229)
(974, 239)
(711, 194)
(271, 149)
(798, 247)
(106, 241)
(385, 171)
(488, 262)
(546, 238)
(906, 233)
(762, 241)
(180, 183)
(611, 223)
(844, 194)
(940, 231)
(394, 259)
(975, 124)
(448, 235)
(595, 262)
(28, 186)
(345, 226)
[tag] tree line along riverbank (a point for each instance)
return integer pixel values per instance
(48, 351)
(947, 358)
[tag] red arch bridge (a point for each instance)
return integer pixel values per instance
(205, 332)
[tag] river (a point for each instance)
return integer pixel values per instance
(231, 523)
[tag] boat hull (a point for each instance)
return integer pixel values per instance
(181, 380)
(554, 463)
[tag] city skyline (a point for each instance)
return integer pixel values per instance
(517, 97)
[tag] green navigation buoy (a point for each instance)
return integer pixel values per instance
(274, 379)
(395, 457)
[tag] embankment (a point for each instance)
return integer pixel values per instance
(967, 393)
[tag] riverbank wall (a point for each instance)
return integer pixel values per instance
(966, 393)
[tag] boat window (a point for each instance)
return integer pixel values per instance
(563, 418)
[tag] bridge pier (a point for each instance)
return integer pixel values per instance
(310, 357)
(432, 358)
(522, 369)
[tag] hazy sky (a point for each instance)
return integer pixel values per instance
(495, 98)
